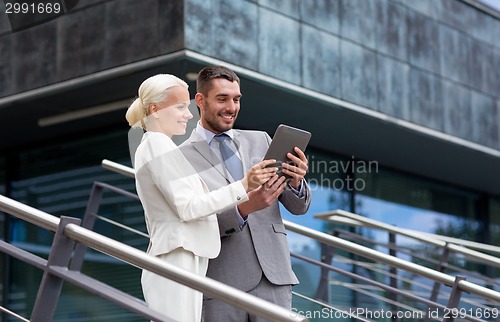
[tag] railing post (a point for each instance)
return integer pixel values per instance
(442, 266)
(51, 285)
(393, 280)
(454, 300)
(327, 253)
(88, 222)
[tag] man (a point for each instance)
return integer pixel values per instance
(254, 253)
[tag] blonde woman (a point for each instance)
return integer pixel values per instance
(178, 207)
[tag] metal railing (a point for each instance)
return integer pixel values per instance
(56, 269)
(429, 239)
(456, 283)
(395, 262)
(442, 254)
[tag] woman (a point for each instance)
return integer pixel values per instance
(179, 210)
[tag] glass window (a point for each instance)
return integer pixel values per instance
(493, 4)
(494, 233)
(391, 198)
(2, 192)
(412, 203)
(58, 179)
(494, 217)
(2, 228)
(329, 191)
(2, 175)
(421, 205)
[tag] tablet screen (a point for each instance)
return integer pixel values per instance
(284, 140)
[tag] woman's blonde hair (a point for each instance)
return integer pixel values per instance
(153, 90)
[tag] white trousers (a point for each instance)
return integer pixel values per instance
(175, 300)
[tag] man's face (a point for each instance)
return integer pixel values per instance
(220, 107)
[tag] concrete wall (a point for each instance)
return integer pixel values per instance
(432, 62)
(96, 35)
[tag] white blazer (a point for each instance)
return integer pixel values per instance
(178, 207)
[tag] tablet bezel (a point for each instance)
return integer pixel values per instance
(284, 140)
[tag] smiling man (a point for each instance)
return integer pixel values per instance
(254, 254)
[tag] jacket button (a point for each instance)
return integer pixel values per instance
(229, 231)
(238, 198)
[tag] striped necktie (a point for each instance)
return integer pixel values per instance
(231, 160)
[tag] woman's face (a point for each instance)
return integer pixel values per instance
(173, 113)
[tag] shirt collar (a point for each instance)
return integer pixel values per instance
(208, 135)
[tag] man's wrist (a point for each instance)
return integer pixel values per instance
(299, 185)
(243, 211)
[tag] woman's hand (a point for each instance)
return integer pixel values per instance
(259, 174)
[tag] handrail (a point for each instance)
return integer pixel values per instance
(119, 168)
(411, 252)
(393, 261)
(143, 260)
(17, 316)
(425, 238)
(29, 214)
(373, 254)
(465, 243)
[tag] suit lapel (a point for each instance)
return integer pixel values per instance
(245, 143)
(202, 147)
(240, 141)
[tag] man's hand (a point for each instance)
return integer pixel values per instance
(259, 174)
(298, 171)
(264, 196)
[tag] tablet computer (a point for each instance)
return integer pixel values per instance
(284, 140)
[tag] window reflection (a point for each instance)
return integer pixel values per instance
(392, 198)
(494, 232)
(409, 217)
(59, 183)
(493, 4)
(2, 192)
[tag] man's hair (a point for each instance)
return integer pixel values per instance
(207, 74)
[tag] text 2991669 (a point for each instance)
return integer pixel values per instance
(33, 7)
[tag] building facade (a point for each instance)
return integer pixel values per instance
(402, 99)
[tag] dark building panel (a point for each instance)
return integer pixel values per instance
(320, 61)
(81, 49)
(393, 87)
(358, 75)
(454, 55)
(131, 31)
(457, 14)
(171, 21)
(198, 26)
(236, 39)
(34, 57)
(324, 14)
(391, 29)
(482, 72)
(484, 119)
(279, 45)
(426, 99)
(423, 42)
(457, 110)
(358, 21)
(6, 67)
(285, 7)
